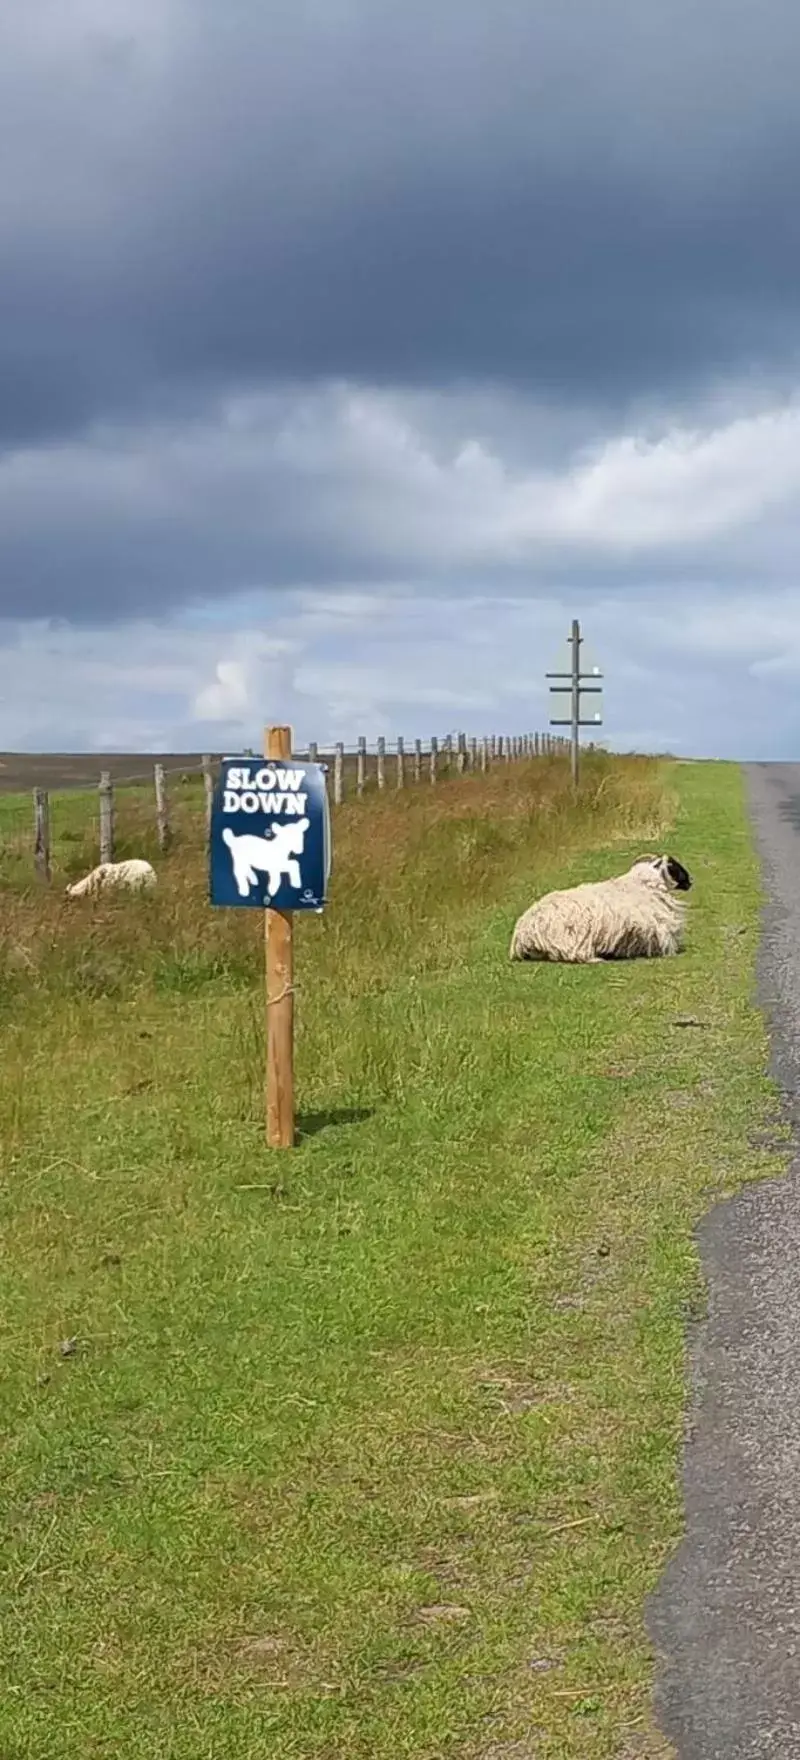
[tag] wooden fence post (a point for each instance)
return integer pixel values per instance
(162, 809)
(279, 993)
(473, 754)
(484, 754)
(313, 751)
(380, 763)
(338, 775)
(401, 762)
(106, 805)
(434, 758)
(361, 765)
(461, 760)
(418, 760)
(41, 833)
(208, 786)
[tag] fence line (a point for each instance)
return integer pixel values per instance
(414, 762)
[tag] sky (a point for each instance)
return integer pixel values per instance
(349, 350)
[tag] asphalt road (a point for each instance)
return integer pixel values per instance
(726, 1617)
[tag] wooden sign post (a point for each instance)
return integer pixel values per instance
(269, 850)
(572, 686)
(280, 994)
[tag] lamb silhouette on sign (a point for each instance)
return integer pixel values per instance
(274, 856)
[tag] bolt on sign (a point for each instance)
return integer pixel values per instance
(270, 849)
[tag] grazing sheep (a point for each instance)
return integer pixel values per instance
(635, 916)
(133, 876)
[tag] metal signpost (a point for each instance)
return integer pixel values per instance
(568, 694)
(270, 850)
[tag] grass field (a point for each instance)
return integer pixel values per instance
(368, 1450)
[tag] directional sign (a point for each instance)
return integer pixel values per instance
(270, 839)
(567, 721)
(588, 667)
(589, 710)
(589, 673)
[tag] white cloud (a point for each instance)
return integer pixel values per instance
(231, 697)
(408, 665)
(432, 626)
(227, 697)
(280, 490)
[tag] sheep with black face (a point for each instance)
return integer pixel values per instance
(637, 915)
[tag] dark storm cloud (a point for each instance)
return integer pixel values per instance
(598, 202)
(387, 491)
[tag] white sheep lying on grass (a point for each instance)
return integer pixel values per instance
(132, 876)
(635, 916)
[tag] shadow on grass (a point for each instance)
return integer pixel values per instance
(309, 1124)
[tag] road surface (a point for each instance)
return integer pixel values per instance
(726, 1617)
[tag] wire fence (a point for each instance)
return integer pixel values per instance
(70, 823)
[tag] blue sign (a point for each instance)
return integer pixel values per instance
(270, 834)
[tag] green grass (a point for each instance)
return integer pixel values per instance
(368, 1450)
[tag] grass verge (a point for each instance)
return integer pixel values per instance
(368, 1451)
